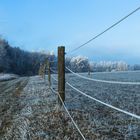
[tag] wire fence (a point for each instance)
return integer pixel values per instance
(101, 102)
(76, 126)
(61, 79)
(103, 81)
(92, 98)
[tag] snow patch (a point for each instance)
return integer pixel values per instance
(5, 77)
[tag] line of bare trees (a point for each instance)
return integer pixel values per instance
(15, 60)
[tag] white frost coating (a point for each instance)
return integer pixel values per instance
(104, 81)
(69, 114)
(26, 111)
(4, 77)
(18, 130)
(108, 105)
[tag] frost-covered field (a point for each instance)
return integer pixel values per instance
(29, 109)
(107, 123)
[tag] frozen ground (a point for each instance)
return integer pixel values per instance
(108, 124)
(29, 110)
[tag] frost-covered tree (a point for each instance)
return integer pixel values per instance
(78, 63)
(81, 64)
(109, 66)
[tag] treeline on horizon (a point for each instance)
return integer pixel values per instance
(17, 61)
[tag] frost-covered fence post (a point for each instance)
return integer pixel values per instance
(61, 73)
(49, 74)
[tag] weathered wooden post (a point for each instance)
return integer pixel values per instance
(61, 73)
(88, 69)
(49, 74)
(40, 70)
(44, 71)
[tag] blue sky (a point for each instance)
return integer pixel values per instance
(35, 25)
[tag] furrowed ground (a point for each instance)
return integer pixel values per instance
(29, 111)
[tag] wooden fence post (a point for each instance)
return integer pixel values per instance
(88, 69)
(39, 71)
(61, 73)
(49, 74)
(44, 71)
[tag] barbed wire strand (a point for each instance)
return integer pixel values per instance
(69, 114)
(122, 19)
(103, 81)
(108, 105)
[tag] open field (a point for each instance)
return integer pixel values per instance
(29, 109)
(109, 123)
